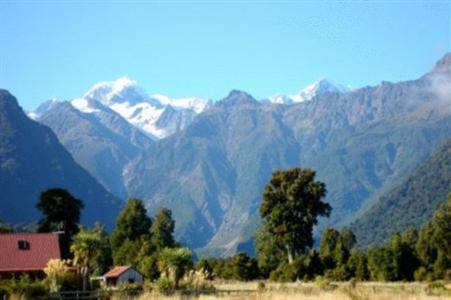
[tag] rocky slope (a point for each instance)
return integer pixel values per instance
(99, 139)
(32, 160)
(362, 143)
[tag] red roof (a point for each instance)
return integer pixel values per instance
(116, 271)
(41, 247)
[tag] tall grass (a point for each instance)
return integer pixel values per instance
(310, 291)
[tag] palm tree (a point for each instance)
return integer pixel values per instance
(85, 247)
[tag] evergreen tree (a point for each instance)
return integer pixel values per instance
(380, 264)
(434, 245)
(335, 248)
(328, 247)
(358, 265)
(131, 232)
(162, 229)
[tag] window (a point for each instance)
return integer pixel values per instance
(23, 245)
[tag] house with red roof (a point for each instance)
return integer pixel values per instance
(122, 274)
(28, 253)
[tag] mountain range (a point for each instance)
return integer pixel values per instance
(209, 161)
(32, 160)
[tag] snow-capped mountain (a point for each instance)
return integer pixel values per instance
(131, 101)
(315, 89)
(43, 108)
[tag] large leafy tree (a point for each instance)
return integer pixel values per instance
(269, 251)
(132, 231)
(162, 229)
(292, 203)
(61, 212)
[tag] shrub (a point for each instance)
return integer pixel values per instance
(284, 273)
(130, 287)
(24, 288)
(421, 274)
(165, 285)
(325, 284)
(57, 274)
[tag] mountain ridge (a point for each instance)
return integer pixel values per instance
(32, 160)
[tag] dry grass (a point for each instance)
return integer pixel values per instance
(310, 291)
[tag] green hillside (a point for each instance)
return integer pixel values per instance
(410, 204)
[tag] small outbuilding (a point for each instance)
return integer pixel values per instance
(122, 274)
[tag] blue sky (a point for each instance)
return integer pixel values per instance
(206, 48)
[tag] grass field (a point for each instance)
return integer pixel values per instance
(310, 291)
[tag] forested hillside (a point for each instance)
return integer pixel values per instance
(410, 204)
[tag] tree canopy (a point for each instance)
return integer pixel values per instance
(292, 203)
(131, 232)
(90, 249)
(61, 212)
(162, 229)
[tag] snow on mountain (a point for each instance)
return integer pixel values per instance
(194, 103)
(42, 109)
(160, 116)
(131, 101)
(84, 105)
(317, 88)
(281, 99)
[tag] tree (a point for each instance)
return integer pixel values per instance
(162, 229)
(270, 252)
(405, 259)
(88, 246)
(348, 238)
(132, 228)
(174, 262)
(358, 265)
(61, 212)
(242, 267)
(442, 239)
(290, 208)
(380, 264)
(434, 243)
(335, 249)
(304, 267)
(328, 244)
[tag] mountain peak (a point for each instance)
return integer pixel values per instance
(237, 97)
(317, 88)
(43, 108)
(120, 90)
(443, 64)
(7, 99)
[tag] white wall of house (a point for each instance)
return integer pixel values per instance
(130, 275)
